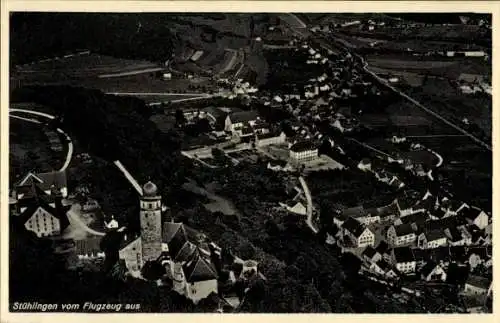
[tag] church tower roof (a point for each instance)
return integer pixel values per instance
(149, 189)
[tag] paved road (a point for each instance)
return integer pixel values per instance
(137, 72)
(69, 154)
(307, 193)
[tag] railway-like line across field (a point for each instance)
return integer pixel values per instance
(421, 106)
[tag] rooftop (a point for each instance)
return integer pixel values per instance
(302, 146)
(478, 281)
(404, 229)
(354, 226)
(243, 116)
(403, 254)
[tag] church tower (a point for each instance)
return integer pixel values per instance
(150, 215)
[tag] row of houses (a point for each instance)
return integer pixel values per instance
(426, 223)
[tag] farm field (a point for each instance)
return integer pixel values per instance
(448, 68)
(140, 83)
(86, 65)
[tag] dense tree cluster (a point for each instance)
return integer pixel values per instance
(36, 35)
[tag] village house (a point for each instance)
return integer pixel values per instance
(270, 139)
(476, 216)
(404, 260)
(415, 218)
(407, 206)
(45, 181)
(370, 255)
(236, 121)
(359, 235)
(388, 213)
(385, 269)
(403, 234)
(365, 216)
(43, 219)
(458, 236)
(379, 267)
(303, 151)
(453, 207)
(432, 238)
(433, 271)
(477, 285)
(196, 279)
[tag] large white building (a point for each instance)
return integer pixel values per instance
(303, 151)
(43, 214)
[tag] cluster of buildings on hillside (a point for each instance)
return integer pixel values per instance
(194, 266)
(241, 126)
(36, 203)
(430, 238)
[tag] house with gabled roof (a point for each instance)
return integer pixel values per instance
(433, 271)
(199, 278)
(236, 120)
(43, 218)
(359, 234)
(416, 218)
(404, 260)
(406, 206)
(403, 234)
(432, 238)
(458, 236)
(477, 285)
(362, 214)
(474, 215)
(370, 254)
(46, 181)
(453, 207)
(271, 138)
